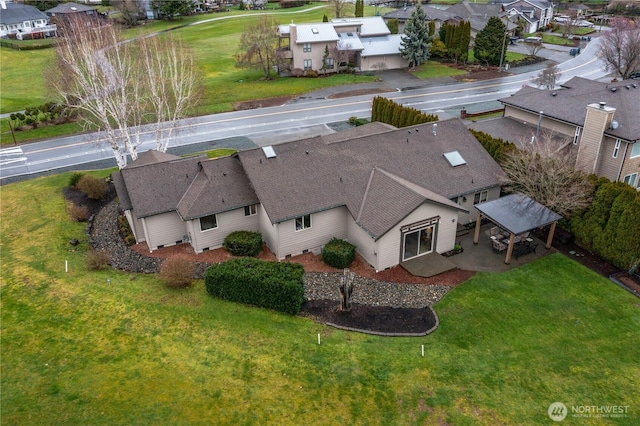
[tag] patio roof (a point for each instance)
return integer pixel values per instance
(518, 213)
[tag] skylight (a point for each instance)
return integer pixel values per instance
(268, 151)
(454, 158)
(315, 30)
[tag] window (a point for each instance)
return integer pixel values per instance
(576, 137)
(307, 64)
(208, 222)
(616, 149)
(303, 222)
(632, 179)
(480, 197)
(306, 47)
(329, 63)
(635, 150)
(418, 238)
(251, 210)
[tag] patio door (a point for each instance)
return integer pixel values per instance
(418, 239)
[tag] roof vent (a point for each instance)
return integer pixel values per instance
(614, 125)
(315, 30)
(268, 151)
(634, 85)
(602, 104)
(627, 87)
(554, 93)
(613, 89)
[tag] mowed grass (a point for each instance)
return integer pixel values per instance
(79, 350)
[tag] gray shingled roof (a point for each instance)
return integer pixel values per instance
(310, 175)
(221, 185)
(70, 8)
(570, 103)
(18, 13)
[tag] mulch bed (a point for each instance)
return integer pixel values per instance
(381, 320)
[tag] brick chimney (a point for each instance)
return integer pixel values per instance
(598, 120)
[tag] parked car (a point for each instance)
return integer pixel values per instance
(635, 75)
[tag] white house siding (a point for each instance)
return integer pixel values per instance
(228, 222)
(269, 231)
(324, 226)
(389, 243)
(608, 166)
(136, 226)
(167, 229)
(365, 244)
(370, 63)
(463, 217)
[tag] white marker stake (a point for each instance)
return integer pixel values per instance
(66, 266)
(422, 350)
(318, 338)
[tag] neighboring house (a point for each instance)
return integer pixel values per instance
(394, 193)
(600, 119)
(579, 10)
(536, 13)
(65, 11)
(24, 22)
(476, 14)
(304, 45)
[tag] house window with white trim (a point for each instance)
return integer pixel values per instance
(576, 136)
(306, 47)
(632, 180)
(208, 222)
(329, 63)
(307, 64)
(303, 222)
(616, 148)
(480, 197)
(251, 210)
(635, 150)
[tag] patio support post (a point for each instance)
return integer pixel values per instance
(512, 240)
(552, 230)
(476, 232)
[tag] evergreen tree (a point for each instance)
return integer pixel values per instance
(325, 19)
(465, 41)
(359, 8)
(490, 42)
(416, 42)
(393, 25)
(432, 28)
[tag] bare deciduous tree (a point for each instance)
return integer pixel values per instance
(544, 169)
(568, 27)
(258, 45)
(534, 48)
(339, 7)
(547, 77)
(620, 46)
(340, 53)
(120, 86)
(131, 11)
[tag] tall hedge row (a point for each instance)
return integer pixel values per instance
(271, 285)
(496, 147)
(386, 111)
(610, 227)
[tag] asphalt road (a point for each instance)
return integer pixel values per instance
(265, 126)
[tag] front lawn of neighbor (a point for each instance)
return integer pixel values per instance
(105, 348)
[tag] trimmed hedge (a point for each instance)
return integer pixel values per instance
(496, 147)
(338, 253)
(271, 285)
(387, 111)
(243, 243)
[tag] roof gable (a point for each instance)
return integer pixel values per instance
(18, 13)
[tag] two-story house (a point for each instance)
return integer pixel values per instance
(536, 13)
(24, 22)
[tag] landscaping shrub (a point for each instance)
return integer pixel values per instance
(125, 230)
(93, 187)
(387, 111)
(177, 273)
(271, 285)
(311, 73)
(97, 260)
(496, 147)
(297, 72)
(74, 179)
(338, 253)
(79, 213)
(243, 243)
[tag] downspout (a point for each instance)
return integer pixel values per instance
(626, 149)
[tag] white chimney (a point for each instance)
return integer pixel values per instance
(3, 4)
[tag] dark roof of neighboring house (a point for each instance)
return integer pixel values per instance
(570, 102)
(70, 8)
(578, 7)
(466, 10)
(18, 13)
(394, 169)
(539, 4)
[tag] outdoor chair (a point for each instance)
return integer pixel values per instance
(498, 246)
(496, 232)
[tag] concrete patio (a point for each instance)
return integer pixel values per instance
(475, 257)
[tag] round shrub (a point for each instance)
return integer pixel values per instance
(93, 187)
(177, 273)
(74, 179)
(97, 260)
(243, 243)
(338, 253)
(79, 213)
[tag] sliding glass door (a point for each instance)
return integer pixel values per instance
(416, 242)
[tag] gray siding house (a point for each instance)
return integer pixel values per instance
(394, 193)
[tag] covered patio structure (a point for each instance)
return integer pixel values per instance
(516, 214)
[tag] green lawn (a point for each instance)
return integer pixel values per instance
(77, 349)
(433, 69)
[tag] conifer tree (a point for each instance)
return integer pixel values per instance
(490, 42)
(416, 42)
